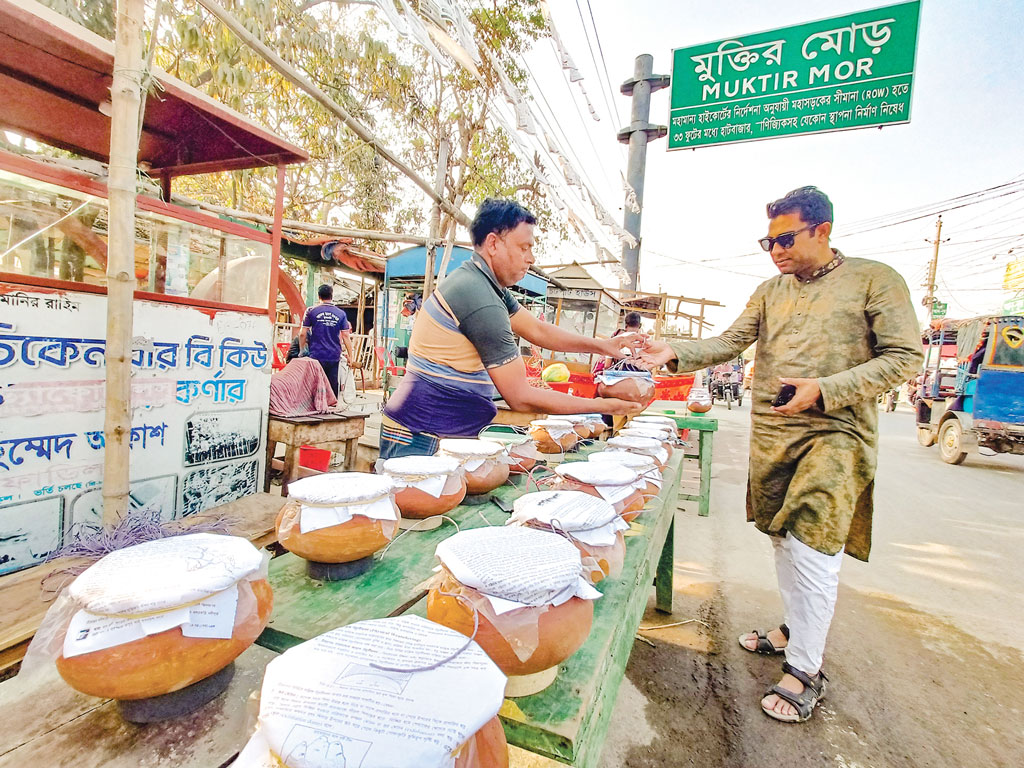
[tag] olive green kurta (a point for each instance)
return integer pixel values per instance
(854, 330)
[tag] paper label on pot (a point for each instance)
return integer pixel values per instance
(615, 493)
(432, 485)
(315, 518)
(557, 433)
(661, 455)
(472, 465)
(372, 695)
(517, 564)
(88, 632)
(214, 616)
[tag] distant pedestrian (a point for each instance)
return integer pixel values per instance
(325, 328)
(840, 332)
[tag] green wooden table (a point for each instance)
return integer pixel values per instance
(304, 608)
(569, 720)
(706, 429)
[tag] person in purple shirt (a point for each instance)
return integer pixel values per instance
(324, 329)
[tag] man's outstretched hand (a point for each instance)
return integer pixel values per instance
(614, 346)
(616, 407)
(655, 353)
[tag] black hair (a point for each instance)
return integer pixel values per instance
(811, 203)
(633, 319)
(325, 292)
(499, 217)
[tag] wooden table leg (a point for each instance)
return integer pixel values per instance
(666, 569)
(351, 449)
(271, 448)
(705, 473)
(291, 468)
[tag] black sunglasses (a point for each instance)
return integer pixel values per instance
(786, 239)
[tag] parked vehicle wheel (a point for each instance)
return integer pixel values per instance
(950, 439)
(925, 437)
(728, 398)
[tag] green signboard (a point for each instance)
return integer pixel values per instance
(1014, 306)
(939, 308)
(851, 71)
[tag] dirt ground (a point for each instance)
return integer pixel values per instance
(921, 654)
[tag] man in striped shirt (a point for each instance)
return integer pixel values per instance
(463, 351)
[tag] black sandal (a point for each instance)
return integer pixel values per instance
(764, 646)
(805, 701)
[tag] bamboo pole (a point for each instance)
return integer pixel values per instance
(293, 75)
(448, 244)
(320, 229)
(362, 305)
(125, 100)
(435, 218)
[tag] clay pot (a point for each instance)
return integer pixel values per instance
(562, 629)
(416, 504)
(487, 748)
(167, 661)
(353, 540)
(633, 389)
(548, 444)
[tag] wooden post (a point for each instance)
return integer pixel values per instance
(700, 322)
(362, 305)
(435, 219)
(449, 242)
(275, 246)
(125, 100)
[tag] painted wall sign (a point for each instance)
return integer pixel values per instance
(200, 394)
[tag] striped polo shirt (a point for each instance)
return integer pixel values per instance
(463, 329)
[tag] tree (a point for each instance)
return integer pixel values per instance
(387, 82)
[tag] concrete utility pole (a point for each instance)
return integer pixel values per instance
(929, 298)
(637, 135)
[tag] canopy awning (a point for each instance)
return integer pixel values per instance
(55, 75)
(412, 263)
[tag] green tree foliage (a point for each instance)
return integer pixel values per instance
(387, 82)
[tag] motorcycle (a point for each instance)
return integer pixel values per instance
(724, 388)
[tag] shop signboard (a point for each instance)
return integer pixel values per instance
(200, 395)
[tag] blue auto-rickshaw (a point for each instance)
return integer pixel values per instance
(986, 407)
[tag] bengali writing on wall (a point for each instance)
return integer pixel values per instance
(200, 389)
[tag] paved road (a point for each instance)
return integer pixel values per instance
(924, 654)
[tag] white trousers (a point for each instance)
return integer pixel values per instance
(808, 583)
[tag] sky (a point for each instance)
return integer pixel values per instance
(704, 209)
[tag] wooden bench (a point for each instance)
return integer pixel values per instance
(333, 431)
(46, 723)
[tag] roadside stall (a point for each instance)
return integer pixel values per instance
(204, 288)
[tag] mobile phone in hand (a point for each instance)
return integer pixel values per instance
(787, 393)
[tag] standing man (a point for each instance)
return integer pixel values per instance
(840, 331)
(324, 329)
(463, 349)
